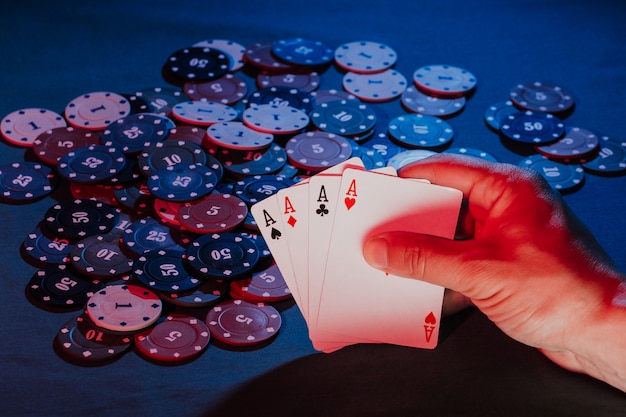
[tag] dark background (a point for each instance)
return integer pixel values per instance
(52, 52)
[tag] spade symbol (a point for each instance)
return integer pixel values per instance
(276, 233)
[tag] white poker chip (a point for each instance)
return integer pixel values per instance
(365, 57)
(275, 119)
(22, 127)
(444, 80)
(377, 87)
(203, 113)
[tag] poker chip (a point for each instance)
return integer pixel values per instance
(79, 340)
(303, 81)
(258, 187)
(316, 151)
(267, 285)
(167, 210)
(215, 165)
(47, 250)
(168, 153)
(472, 152)
(182, 182)
(405, 158)
(22, 127)
(237, 136)
(160, 100)
(260, 55)
(91, 164)
(99, 257)
(164, 270)
(532, 127)
(147, 234)
(129, 174)
(576, 143)
(96, 110)
(124, 308)
(383, 146)
(301, 51)
(52, 144)
(365, 57)
(98, 192)
(227, 90)
(415, 101)
(370, 158)
(203, 113)
(215, 213)
(323, 96)
(270, 118)
(496, 113)
(562, 177)
(260, 162)
(232, 49)
(377, 87)
(420, 131)
(227, 255)
(58, 286)
(541, 97)
(240, 323)
(122, 223)
(77, 219)
(135, 197)
(197, 63)
(177, 338)
(132, 133)
(25, 181)
(210, 292)
(343, 117)
(282, 96)
(611, 159)
(193, 134)
(444, 80)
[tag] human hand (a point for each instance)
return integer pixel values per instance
(530, 266)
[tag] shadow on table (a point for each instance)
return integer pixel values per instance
(475, 371)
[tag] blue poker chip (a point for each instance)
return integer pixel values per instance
(100, 256)
(283, 96)
(259, 187)
(301, 51)
(371, 159)
(161, 100)
(197, 63)
(226, 255)
(405, 158)
(77, 219)
(147, 234)
(316, 151)
(94, 164)
(170, 152)
(562, 177)
(136, 131)
(165, 270)
(182, 182)
(532, 127)
(135, 197)
(498, 112)
(343, 117)
(476, 153)
(59, 287)
(420, 131)
(611, 159)
(25, 181)
(383, 146)
(259, 162)
(41, 249)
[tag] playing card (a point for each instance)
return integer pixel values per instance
(363, 302)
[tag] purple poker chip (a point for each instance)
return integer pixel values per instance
(316, 151)
(241, 323)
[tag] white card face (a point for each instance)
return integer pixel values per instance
(267, 216)
(363, 302)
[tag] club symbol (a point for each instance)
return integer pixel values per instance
(322, 210)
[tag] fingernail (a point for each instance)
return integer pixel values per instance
(376, 253)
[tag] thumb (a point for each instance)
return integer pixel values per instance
(426, 258)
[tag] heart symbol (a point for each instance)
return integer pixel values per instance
(349, 201)
(430, 319)
(276, 234)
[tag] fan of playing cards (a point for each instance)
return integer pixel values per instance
(316, 230)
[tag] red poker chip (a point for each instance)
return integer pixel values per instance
(167, 210)
(228, 89)
(215, 213)
(267, 286)
(177, 338)
(187, 133)
(97, 192)
(52, 144)
(260, 55)
(305, 81)
(241, 323)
